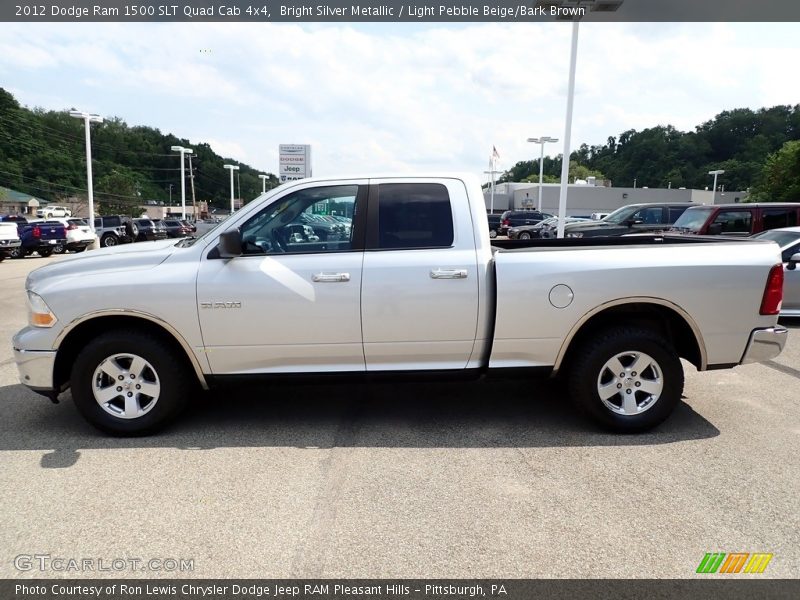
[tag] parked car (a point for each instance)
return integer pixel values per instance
(788, 239)
(79, 235)
(9, 239)
(542, 229)
(192, 227)
(52, 210)
(738, 220)
(494, 225)
(113, 230)
(515, 218)
(149, 231)
(41, 237)
(419, 288)
(633, 218)
(175, 229)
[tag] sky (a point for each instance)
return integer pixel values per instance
(398, 98)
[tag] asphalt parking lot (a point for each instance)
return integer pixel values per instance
(488, 479)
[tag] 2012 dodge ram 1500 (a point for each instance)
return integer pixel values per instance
(407, 281)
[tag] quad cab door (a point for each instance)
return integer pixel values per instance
(291, 301)
(419, 299)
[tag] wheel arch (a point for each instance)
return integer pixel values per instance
(666, 317)
(82, 330)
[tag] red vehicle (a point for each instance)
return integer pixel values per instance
(737, 219)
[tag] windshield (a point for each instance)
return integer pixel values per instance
(620, 215)
(692, 219)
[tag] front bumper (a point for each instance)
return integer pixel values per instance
(36, 368)
(16, 243)
(765, 344)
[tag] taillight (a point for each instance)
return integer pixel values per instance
(37, 233)
(773, 292)
(506, 222)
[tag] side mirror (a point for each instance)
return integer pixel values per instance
(793, 262)
(632, 222)
(230, 244)
(715, 229)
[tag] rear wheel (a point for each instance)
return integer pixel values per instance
(45, 252)
(129, 383)
(109, 240)
(628, 379)
(59, 248)
(16, 252)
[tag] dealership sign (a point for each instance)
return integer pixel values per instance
(294, 161)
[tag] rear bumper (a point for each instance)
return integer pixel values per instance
(8, 244)
(36, 368)
(765, 344)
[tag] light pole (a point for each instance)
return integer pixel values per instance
(714, 189)
(87, 119)
(183, 151)
(542, 141)
(263, 182)
(491, 175)
(604, 6)
(170, 193)
(231, 168)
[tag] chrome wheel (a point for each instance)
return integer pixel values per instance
(126, 386)
(630, 383)
(492, 233)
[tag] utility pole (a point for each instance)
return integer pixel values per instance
(191, 178)
(170, 193)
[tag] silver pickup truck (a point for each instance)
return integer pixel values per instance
(397, 277)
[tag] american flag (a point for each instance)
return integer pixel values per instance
(495, 154)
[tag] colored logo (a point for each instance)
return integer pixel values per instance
(735, 562)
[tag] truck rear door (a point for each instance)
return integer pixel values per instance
(419, 289)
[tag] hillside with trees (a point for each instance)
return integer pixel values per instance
(757, 149)
(42, 153)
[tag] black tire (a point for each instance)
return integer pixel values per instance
(588, 371)
(79, 249)
(524, 235)
(171, 372)
(59, 249)
(131, 230)
(2, 257)
(45, 252)
(17, 252)
(492, 234)
(109, 240)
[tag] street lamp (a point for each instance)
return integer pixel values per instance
(232, 168)
(263, 182)
(183, 151)
(88, 118)
(714, 189)
(595, 5)
(542, 141)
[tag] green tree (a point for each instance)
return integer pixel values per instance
(780, 178)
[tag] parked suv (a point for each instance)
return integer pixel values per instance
(515, 218)
(79, 235)
(738, 219)
(149, 231)
(633, 218)
(115, 229)
(48, 212)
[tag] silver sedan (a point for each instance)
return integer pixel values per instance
(788, 238)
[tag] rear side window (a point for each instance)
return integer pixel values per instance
(774, 218)
(735, 221)
(414, 215)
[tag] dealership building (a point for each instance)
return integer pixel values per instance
(583, 199)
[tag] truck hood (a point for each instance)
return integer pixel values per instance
(140, 255)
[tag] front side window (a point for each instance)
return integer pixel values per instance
(652, 215)
(414, 215)
(316, 219)
(734, 221)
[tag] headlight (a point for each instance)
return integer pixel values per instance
(39, 314)
(575, 235)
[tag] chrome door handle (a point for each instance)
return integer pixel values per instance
(449, 274)
(331, 277)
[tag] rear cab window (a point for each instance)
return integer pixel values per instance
(412, 216)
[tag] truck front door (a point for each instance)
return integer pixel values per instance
(291, 301)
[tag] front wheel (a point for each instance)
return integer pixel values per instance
(45, 252)
(108, 240)
(628, 379)
(492, 233)
(524, 235)
(59, 249)
(17, 252)
(129, 383)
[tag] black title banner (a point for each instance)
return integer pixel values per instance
(398, 11)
